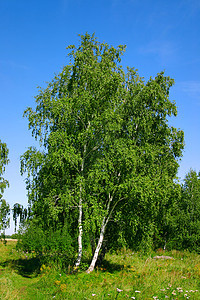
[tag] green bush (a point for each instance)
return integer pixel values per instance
(52, 247)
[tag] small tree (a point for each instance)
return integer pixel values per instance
(4, 206)
(188, 221)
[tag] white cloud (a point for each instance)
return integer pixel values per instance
(163, 50)
(191, 88)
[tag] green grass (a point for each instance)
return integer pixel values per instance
(21, 277)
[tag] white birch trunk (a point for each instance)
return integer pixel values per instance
(80, 247)
(80, 228)
(100, 241)
(96, 253)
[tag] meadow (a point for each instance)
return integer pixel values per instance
(122, 275)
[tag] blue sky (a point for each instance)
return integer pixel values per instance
(160, 35)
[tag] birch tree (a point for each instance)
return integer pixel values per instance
(104, 137)
(67, 122)
(4, 206)
(141, 154)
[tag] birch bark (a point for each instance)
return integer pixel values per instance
(100, 241)
(96, 253)
(78, 261)
(80, 227)
(80, 247)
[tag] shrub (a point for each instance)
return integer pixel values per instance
(50, 246)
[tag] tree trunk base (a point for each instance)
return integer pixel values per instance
(89, 270)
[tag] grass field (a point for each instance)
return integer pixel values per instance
(125, 275)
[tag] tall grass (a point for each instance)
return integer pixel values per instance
(123, 275)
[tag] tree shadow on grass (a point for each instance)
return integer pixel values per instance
(102, 265)
(30, 267)
(25, 267)
(111, 267)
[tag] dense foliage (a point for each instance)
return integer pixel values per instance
(186, 222)
(108, 157)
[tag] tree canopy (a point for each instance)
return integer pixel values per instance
(106, 148)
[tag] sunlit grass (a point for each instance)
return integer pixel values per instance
(123, 275)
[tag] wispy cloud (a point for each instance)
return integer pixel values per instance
(191, 88)
(13, 64)
(163, 50)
